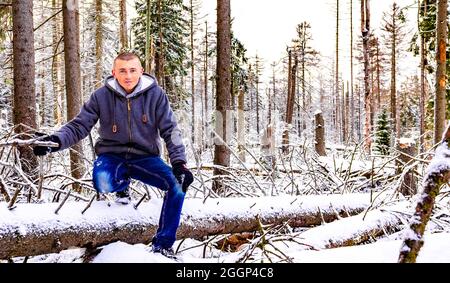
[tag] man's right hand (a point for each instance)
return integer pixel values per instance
(43, 150)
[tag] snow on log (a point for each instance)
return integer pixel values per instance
(352, 230)
(437, 175)
(34, 229)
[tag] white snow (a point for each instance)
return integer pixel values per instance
(436, 249)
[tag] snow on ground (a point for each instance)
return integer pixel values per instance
(435, 250)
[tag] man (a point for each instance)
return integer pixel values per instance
(134, 113)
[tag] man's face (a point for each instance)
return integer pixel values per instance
(127, 73)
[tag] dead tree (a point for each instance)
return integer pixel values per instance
(407, 151)
(320, 135)
(290, 98)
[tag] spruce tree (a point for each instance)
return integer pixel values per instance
(382, 134)
(171, 26)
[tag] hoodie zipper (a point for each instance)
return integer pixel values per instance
(129, 122)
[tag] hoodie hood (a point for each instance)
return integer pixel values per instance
(145, 83)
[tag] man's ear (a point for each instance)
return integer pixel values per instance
(113, 72)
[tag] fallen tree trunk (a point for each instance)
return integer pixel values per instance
(438, 175)
(352, 231)
(34, 229)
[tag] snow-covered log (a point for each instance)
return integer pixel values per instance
(352, 230)
(34, 229)
(438, 174)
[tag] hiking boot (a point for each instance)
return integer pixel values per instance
(167, 252)
(123, 197)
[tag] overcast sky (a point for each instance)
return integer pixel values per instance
(266, 27)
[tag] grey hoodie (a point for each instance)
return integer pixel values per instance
(130, 124)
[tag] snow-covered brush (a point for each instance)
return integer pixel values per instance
(263, 247)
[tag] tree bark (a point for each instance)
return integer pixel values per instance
(396, 126)
(221, 152)
(290, 99)
(241, 125)
(423, 62)
(320, 135)
(336, 77)
(365, 30)
(407, 152)
(41, 232)
(440, 102)
(148, 38)
(73, 79)
(24, 108)
(352, 101)
(123, 25)
(98, 43)
(56, 67)
(206, 114)
(193, 117)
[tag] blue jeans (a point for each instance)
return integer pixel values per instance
(113, 173)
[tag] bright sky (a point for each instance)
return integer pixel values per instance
(266, 27)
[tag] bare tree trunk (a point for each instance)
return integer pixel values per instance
(268, 140)
(191, 11)
(98, 43)
(440, 103)
(423, 62)
(407, 152)
(148, 38)
(290, 100)
(396, 126)
(344, 114)
(320, 135)
(352, 101)
(159, 58)
(56, 66)
(123, 37)
(365, 30)
(24, 109)
(206, 78)
(300, 114)
(241, 125)
(221, 152)
(42, 110)
(337, 92)
(73, 79)
(378, 75)
(257, 92)
(358, 124)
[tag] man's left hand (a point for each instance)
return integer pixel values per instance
(183, 175)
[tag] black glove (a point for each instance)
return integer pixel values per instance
(43, 150)
(183, 175)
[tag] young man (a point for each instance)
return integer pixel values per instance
(134, 113)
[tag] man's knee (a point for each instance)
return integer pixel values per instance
(103, 182)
